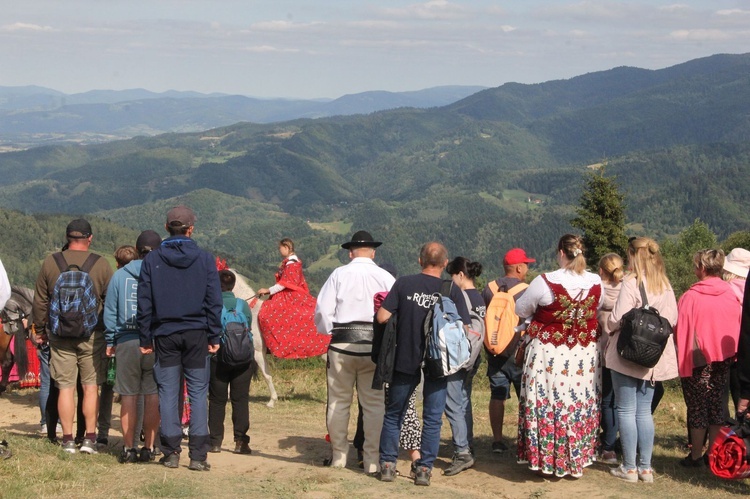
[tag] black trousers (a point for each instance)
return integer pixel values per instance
(225, 384)
(52, 415)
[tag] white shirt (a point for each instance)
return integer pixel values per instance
(4, 287)
(347, 295)
(538, 294)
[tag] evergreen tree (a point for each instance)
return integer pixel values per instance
(601, 216)
(678, 255)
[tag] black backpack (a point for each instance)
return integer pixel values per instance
(236, 348)
(643, 334)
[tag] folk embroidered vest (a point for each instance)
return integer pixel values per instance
(567, 321)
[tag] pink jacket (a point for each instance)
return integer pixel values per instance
(630, 297)
(709, 316)
(738, 286)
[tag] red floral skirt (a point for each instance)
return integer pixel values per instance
(286, 323)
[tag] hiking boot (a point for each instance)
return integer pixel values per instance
(196, 465)
(70, 447)
(499, 447)
(646, 476)
(171, 460)
(102, 443)
(387, 472)
(5, 452)
(146, 455)
(689, 462)
(608, 457)
(413, 470)
(623, 474)
(461, 461)
(88, 446)
(215, 449)
(422, 476)
(242, 447)
(128, 456)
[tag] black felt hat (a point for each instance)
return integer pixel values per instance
(361, 239)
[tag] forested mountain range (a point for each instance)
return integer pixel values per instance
(36, 115)
(501, 168)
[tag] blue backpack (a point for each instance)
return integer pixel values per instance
(236, 348)
(73, 305)
(447, 349)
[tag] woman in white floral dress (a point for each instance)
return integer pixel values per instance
(559, 404)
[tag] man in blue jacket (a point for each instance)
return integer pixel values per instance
(134, 371)
(179, 318)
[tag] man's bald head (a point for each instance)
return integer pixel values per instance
(433, 254)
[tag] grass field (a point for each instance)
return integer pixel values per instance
(288, 449)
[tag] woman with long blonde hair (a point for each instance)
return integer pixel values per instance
(559, 402)
(634, 384)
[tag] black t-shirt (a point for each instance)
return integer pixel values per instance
(497, 361)
(412, 296)
(477, 302)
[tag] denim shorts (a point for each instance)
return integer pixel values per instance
(502, 378)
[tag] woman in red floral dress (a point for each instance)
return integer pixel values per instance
(558, 413)
(286, 319)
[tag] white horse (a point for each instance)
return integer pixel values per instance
(243, 290)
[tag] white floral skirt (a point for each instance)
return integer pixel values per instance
(558, 411)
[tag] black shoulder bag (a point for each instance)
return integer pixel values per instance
(643, 334)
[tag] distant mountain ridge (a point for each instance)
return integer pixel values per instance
(36, 115)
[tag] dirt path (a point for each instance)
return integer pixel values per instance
(288, 451)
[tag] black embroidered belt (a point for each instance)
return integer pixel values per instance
(352, 332)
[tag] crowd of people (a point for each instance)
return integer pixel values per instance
(163, 316)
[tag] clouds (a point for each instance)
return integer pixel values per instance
(334, 47)
(21, 27)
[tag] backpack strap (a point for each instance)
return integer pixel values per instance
(89, 263)
(517, 288)
(62, 264)
(642, 288)
(445, 289)
(60, 261)
(238, 304)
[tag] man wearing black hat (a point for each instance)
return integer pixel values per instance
(345, 311)
(74, 357)
(179, 318)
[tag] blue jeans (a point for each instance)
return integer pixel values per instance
(456, 404)
(184, 352)
(609, 412)
(43, 355)
(399, 391)
(633, 400)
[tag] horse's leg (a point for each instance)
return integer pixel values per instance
(260, 359)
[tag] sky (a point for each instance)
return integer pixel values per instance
(329, 48)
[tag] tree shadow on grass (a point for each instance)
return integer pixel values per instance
(306, 450)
